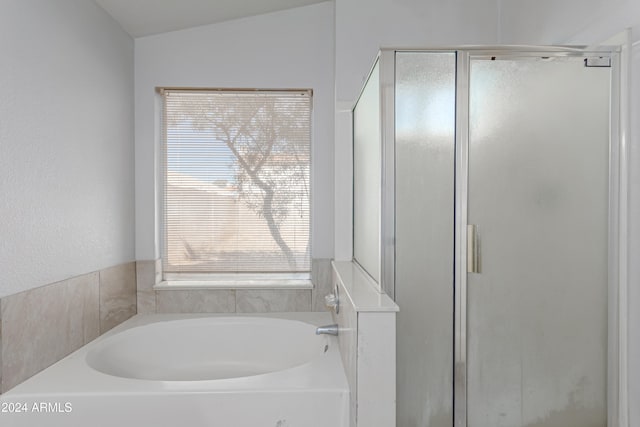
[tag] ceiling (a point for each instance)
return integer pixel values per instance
(145, 17)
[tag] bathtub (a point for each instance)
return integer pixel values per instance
(192, 370)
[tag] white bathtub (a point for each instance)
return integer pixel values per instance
(190, 371)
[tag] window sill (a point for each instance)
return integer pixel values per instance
(174, 285)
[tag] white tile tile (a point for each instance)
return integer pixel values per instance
(367, 347)
(347, 320)
(376, 364)
(361, 289)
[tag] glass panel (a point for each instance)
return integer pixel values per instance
(425, 138)
(236, 181)
(538, 192)
(366, 177)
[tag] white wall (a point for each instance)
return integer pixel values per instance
(289, 49)
(362, 28)
(565, 21)
(66, 142)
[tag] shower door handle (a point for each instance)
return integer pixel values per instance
(472, 249)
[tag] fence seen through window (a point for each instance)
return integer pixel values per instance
(236, 181)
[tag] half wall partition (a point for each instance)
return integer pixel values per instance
(492, 185)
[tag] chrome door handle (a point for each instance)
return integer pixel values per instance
(472, 249)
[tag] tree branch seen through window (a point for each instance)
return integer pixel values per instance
(237, 181)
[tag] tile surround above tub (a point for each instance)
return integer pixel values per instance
(40, 326)
(272, 300)
(117, 295)
(196, 301)
(148, 273)
(233, 301)
(230, 300)
(43, 325)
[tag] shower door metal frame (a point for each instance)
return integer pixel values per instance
(617, 250)
(460, 244)
(387, 275)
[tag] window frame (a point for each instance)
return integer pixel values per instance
(225, 280)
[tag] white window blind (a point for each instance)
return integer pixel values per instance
(236, 181)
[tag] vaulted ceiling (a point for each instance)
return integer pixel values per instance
(145, 17)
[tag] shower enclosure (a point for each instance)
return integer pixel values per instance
(485, 196)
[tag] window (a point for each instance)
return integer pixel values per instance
(236, 182)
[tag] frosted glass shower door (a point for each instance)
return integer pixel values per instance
(425, 109)
(538, 194)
